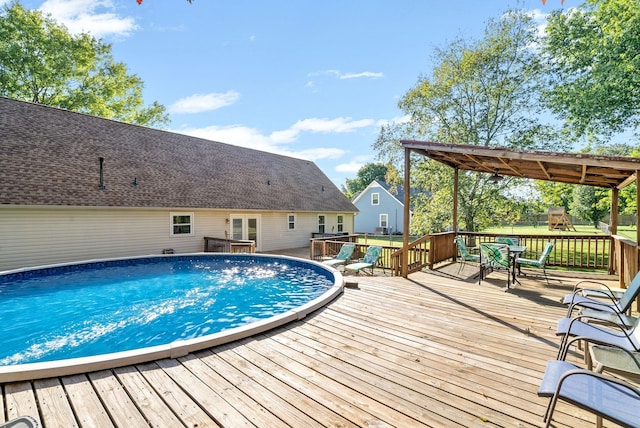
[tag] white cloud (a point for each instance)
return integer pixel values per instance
(326, 126)
(199, 103)
(340, 75)
(540, 18)
(354, 165)
(83, 16)
(278, 141)
(394, 120)
(244, 136)
(370, 74)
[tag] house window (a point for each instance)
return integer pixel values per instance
(291, 222)
(181, 224)
(321, 223)
(375, 199)
(340, 223)
(384, 220)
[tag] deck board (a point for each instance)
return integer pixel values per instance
(158, 413)
(54, 405)
(115, 399)
(436, 349)
(84, 400)
(190, 412)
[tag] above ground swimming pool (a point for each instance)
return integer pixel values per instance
(72, 318)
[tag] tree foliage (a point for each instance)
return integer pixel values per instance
(41, 62)
(555, 194)
(590, 203)
(366, 174)
(480, 92)
(594, 55)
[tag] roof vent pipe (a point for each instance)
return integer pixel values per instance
(101, 186)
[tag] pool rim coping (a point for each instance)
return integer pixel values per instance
(177, 348)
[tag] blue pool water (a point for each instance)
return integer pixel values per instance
(97, 308)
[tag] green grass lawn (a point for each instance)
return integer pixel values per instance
(628, 232)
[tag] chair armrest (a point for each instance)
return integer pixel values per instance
(602, 318)
(588, 339)
(578, 288)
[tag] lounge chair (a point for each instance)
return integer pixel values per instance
(539, 263)
(575, 329)
(465, 254)
(343, 256)
(494, 257)
(368, 261)
(605, 396)
(602, 299)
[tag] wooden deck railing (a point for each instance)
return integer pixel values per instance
(626, 254)
(221, 245)
(570, 251)
(330, 246)
(614, 254)
(424, 252)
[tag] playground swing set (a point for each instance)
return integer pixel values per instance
(559, 220)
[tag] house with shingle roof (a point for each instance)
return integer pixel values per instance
(77, 187)
(381, 209)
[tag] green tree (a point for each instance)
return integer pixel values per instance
(481, 92)
(554, 194)
(365, 175)
(41, 62)
(590, 203)
(594, 55)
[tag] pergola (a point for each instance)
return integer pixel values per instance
(609, 172)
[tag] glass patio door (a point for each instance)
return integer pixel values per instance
(246, 227)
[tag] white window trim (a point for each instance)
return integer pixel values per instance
(324, 225)
(340, 224)
(386, 216)
(191, 223)
(377, 195)
(289, 222)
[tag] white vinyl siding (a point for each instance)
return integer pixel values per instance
(276, 235)
(39, 236)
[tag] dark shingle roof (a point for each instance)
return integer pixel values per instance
(50, 156)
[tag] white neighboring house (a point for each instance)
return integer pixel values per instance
(380, 210)
(78, 187)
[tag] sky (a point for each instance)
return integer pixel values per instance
(308, 79)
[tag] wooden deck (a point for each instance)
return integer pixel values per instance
(432, 350)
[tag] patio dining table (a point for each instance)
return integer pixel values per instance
(515, 251)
